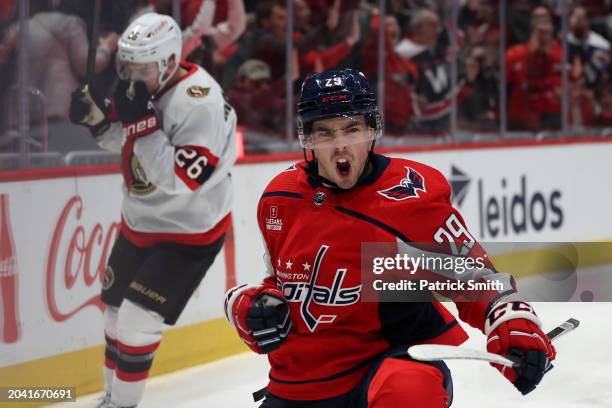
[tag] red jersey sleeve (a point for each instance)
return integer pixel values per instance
(436, 229)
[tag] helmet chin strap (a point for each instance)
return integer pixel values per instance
(313, 169)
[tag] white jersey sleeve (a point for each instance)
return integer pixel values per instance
(199, 140)
(111, 139)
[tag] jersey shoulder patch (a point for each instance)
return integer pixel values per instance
(407, 179)
(197, 91)
(407, 187)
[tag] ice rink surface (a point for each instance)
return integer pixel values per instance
(581, 378)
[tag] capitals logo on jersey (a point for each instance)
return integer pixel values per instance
(407, 188)
(310, 292)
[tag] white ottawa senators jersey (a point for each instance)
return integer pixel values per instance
(176, 180)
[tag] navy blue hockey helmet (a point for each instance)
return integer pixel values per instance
(337, 93)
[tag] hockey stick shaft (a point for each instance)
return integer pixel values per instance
(564, 328)
(431, 352)
(93, 42)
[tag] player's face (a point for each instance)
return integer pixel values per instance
(147, 73)
(343, 160)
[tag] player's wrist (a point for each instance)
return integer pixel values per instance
(135, 109)
(100, 128)
(509, 310)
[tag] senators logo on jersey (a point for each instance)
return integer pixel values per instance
(139, 184)
(196, 91)
(407, 188)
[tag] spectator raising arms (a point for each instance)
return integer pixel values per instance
(433, 85)
(400, 75)
(222, 34)
(332, 44)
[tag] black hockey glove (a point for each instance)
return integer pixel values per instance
(89, 109)
(269, 320)
(260, 314)
(135, 109)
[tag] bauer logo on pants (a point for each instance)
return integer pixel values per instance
(109, 278)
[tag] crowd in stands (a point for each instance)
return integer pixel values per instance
(243, 44)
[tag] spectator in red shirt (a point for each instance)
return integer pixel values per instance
(202, 23)
(534, 77)
(328, 45)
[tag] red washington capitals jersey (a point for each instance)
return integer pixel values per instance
(313, 237)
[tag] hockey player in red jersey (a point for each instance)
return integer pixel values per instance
(327, 345)
(176, 136)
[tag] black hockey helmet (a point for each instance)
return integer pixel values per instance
(336, 93)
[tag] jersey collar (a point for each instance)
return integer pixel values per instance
(191, 69)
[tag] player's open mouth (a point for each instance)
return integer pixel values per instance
(343, 166)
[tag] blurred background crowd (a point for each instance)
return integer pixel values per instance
(447, 71)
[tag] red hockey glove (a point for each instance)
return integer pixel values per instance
(513, 329)
(135, 109)
(260, 315)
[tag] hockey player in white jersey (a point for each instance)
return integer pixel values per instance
(176, 136)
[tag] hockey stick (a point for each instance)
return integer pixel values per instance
(431, 352)
(93, 43)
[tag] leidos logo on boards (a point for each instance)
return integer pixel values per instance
(513, 208)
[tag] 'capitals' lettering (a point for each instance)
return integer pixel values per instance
(321, 295)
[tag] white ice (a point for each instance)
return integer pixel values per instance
(582, 375)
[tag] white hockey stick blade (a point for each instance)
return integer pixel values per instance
(431, 352)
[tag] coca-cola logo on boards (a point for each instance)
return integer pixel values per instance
(7, 265)
(82, 262)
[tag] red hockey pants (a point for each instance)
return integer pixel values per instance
(406, 383)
